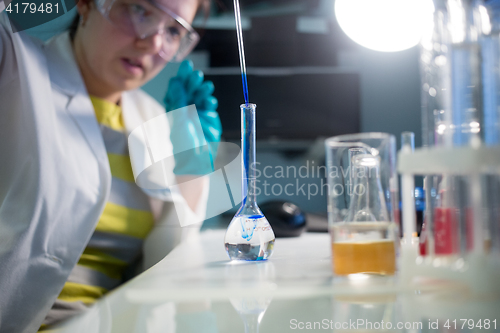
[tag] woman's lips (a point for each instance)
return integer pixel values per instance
(134, 67)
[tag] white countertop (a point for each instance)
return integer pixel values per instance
(191, 288)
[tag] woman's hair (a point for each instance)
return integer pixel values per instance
(204, 5)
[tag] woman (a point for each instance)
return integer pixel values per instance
(72, 220)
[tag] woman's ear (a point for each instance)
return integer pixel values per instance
(83, 7)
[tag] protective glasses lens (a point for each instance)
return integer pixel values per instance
(145, 18)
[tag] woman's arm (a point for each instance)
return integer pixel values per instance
(195, 131)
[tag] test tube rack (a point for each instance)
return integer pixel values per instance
(477, 269)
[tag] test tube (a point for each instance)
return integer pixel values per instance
(454, 116)
(408, 189)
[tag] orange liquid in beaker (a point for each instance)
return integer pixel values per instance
(374, 257)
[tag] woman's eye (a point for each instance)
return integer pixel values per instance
(138, 9)
(174, 32)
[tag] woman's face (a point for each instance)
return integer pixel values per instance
(113, 61)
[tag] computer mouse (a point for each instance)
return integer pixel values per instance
(286, 218)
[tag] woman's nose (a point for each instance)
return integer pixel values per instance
(151, 44)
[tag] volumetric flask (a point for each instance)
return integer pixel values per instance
(249, 236)
(362, 196)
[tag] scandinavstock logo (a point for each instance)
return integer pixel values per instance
(173, 144)
(26, 14)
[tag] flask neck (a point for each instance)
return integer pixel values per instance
(248, 155)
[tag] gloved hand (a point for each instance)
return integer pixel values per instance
(185, 89)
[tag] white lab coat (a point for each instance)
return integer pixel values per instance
(54, 174)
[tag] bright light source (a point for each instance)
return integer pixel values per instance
(384, 25)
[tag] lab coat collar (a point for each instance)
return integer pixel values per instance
(65, 76)
(64, 71)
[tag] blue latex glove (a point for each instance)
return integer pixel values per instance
(185, 89)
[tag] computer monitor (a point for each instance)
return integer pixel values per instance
(292, 104)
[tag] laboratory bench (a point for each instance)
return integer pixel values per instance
(196, 288)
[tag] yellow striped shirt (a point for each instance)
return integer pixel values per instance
(120, 231)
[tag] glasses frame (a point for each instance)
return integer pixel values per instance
(104, 8)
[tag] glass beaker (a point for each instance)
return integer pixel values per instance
(362, 196)
(249, 236)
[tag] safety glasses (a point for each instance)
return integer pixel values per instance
(145, 18)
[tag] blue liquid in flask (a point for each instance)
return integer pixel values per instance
(244, 247)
